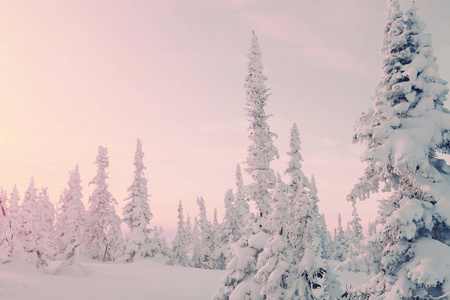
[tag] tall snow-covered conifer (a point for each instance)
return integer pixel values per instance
(239, 282)
(403, 132)
(103, 235)
(241, 206)
(70, 225)
(227, 232)
(274, 263)
(15, 223)
(46, 212)
(207, 240)
(30, 228)
(137, 214)
(179, 243)
(298, 191)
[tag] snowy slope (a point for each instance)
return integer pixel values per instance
(145, 279)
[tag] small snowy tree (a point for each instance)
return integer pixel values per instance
(158, 244)
(179, 243)
(103, 235)
(403, 132)
(137, 214)
(71, 225)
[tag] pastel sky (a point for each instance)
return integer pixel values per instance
(78, 74)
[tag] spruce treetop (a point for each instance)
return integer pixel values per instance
(261, 150)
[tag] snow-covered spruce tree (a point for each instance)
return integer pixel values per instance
(6, 232)
(30, 230)
(189, 234)
(403, 132)
(275, 274)
(70, 226)
(103, 234)
(15, 223)
(179, 243)
(327, 241)
(354, 234)
(241, 206)
(46, 212)
(279, 205)
(136, 213)
(339, 251)
(319, 220)
(206, 255)
(298, 192)
(215, 224)
(14, 209)
(158, 244)
(371, 228)
(303, 216)
(227, 233)
(194, 252)
(238, 282)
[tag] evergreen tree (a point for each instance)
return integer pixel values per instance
(241, 206)
(280, 207)
(371, 228)
(276, 275)
(355, 235)
(303, 231)
(103, 235)
(15, 223)
(46, 212)
(238, 282)
(327, 241)
(137, 214)
(158, 244)
(13, 209)
(179, 243)
(30, 228)
(189, 237)
(339, 244)
(71, 225)
(317, 218)
(228, 231)
(298, 193)
(6, 233)
(403, 132)
(196, 246)
(206, 254)
(215, 224)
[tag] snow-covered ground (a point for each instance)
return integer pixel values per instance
(145, 279)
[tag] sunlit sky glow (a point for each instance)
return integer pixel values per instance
(78, 74)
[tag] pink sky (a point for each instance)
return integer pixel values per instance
(78, 74)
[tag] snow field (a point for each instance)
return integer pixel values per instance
(143, 279)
